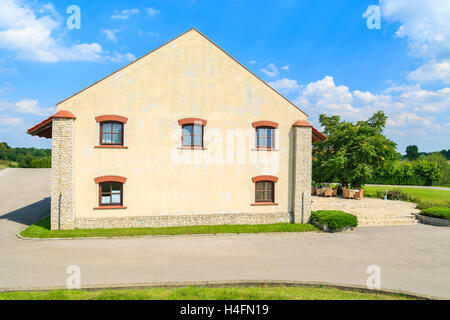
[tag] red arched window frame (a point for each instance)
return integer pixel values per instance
(192, 133)
(264, 190)
(112, 187)
(112, 127)
(265, 135)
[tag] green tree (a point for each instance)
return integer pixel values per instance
(428, 171)
(353, 152)
(412, 152)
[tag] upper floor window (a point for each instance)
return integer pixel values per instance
(265, 134)
(111, 133)
(192, 132)
(265, 137)
(192, 135)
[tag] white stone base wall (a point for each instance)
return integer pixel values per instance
(184, 220)
(433, 221)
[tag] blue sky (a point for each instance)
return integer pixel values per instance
(319, 54)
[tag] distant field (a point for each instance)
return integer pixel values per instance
(424, 197)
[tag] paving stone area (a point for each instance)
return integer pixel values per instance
(370, 211)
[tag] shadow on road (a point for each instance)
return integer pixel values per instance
(29, 214)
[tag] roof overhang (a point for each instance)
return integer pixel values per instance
(44, 128)
(317, 136)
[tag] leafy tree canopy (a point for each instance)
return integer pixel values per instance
(353, 152)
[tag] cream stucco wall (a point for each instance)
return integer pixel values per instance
(189, 77)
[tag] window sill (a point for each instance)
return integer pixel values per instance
(264, 149)
(191, 148)
(110, 147)
(264, 204)
(109, 207)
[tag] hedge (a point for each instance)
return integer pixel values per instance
(335, 220)
(437, 212)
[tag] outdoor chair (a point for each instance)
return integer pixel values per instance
(319, 191)
(334, 192)
(348, 194)
(327, 192)
(359, 194)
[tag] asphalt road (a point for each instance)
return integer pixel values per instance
(413, 258)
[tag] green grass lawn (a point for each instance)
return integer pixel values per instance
(424, 197)
(41, 229)
(199, 293)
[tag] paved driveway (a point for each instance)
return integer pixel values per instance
(413, 258)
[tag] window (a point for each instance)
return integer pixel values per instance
(265, 134)
(111, 193)
(111, 133)
(265, 137)
(264, 191)
(192, 135)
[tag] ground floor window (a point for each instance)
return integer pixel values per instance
(265, 191)
(111, 193)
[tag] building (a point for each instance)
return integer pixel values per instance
(184, 135)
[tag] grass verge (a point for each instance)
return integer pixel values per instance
(425, 198)
(41, 229)
(201, 293)
(437, 212)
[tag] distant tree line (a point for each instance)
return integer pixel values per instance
(24, 157)
(418, 168)
(412, 153)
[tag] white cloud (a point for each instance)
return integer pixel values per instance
(411, 120)
(31, 106)
(285, 85)
(426, 26)
(324, 96)
(124, 14)
(253, 62)
(119, 57)
(152, 12)
(412, 112)
(37, 38)
(271, 70)
(111, 34)
(432, 71)
(285, 68)
(148, 33)
(10, 121)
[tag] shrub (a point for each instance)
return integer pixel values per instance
(335, 220)
(394, 195)
(437, 212)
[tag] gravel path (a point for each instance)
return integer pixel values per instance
(366, 206)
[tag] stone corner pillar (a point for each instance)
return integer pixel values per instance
(302, 171)
(62, 213)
